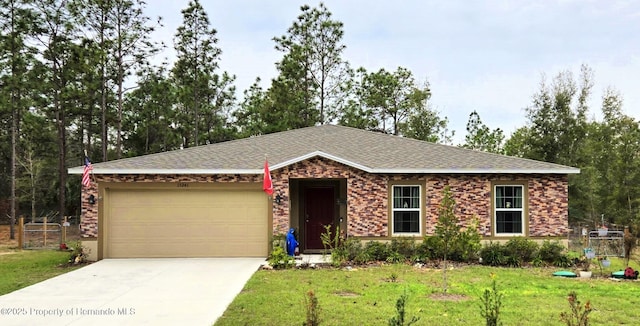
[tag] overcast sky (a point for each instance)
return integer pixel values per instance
(488, 56)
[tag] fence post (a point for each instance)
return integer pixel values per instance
(20, 232)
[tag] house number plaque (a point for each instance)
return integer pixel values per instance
(183, 185)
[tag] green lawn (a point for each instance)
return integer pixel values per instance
(23, 268)
(367, 296)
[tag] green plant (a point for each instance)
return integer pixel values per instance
(395, 258)
(493, 254)
(579, 314)
(399, 318)
(312, 309)
(491, 303)
(514, 261)
(78, 254)
(376, 250)
(278, 259)
(523, 248)
(562, 261)
(466, 246)
(431, 247)
(550, 251)
(330, 239)
(405, 246)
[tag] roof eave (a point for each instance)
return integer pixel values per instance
(168, 171)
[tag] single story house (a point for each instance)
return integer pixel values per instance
(207, 201)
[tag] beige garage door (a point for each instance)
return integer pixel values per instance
(185, 223)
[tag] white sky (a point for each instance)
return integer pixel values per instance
(487, 56)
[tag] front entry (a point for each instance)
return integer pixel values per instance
(319, 210)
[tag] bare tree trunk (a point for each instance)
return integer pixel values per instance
(14, 174)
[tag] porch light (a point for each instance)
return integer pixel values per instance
(277, 199)
(92, 199)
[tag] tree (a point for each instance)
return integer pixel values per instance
(148, 115)
(425, 124)
(60, 57)
(202, 95)
(354, 112)
(250, 118)
(480, 137)
(16, 60)
(312, 64)
(556, 125)
(447, 229)
(393, 97)
(95, 17)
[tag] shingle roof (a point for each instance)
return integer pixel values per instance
(369, 151)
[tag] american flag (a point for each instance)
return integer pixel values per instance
(86, 173)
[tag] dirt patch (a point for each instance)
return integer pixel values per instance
(448, 297)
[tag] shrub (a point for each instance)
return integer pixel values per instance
(377, 251)
(467, 245)
(525, 249)
(78, 254)
(430, 248)
(578, 315)
(551, 251)
(312, 309)
(404, 246)
(493, 254)
(399, 318)
(491, 303)
(395, 258)
(278, 259)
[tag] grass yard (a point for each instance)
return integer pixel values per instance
(19, 269)
(367, 296)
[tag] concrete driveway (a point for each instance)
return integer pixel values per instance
(132, 292)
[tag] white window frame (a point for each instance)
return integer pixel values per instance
(394, 210)
(511, 209)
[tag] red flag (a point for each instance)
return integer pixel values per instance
(267, 185)
(86, 172)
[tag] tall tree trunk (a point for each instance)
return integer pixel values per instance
(103, 89)
(14, 174)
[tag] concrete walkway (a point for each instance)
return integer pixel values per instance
(132, 292)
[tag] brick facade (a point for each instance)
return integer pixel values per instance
(367, 197)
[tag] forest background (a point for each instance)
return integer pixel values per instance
(83, 75)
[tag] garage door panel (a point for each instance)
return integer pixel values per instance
(181, 223)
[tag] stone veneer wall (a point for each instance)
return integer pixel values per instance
(548, 201)
(367, 197)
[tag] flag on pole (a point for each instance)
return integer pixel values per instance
(86, 172)
(267, 185)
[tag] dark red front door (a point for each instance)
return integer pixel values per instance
(319, 204)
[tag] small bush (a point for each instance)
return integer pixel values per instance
(551, 251)
(578, 315)
(278, 259)
(346, 251)
(525, 249)
(399, 318)
(377, 251)
(430, 248)
(514, 261)
(78, 254)
(405, 246)
(312, 309)
(395, 258)
(491, 303)
(493, 254)
(467, 245)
